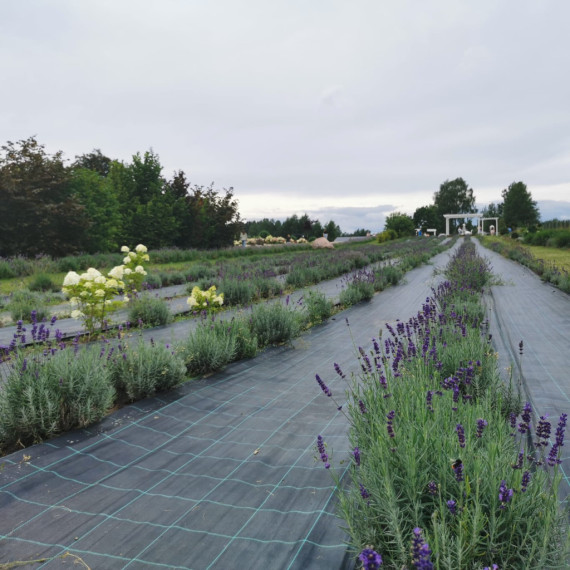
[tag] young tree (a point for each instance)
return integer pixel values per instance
(453, 197)
(518, 206)
(94, 160)
(402, 224)
(332, 230)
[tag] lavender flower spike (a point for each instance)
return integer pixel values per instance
(370, 559)
(420, 551)
(323, 386)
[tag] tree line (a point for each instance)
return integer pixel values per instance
(96, 204)
(517, 209)
(294, 227)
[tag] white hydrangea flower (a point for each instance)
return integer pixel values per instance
(111, 284)
(116, 272)
(192, 302)
(146, 257)
(126, 260)
(100, 293)
(126, 299)
(132, 255)
(71, 278)
(87, 284)
(84, 293)
(94, 272)
(219, 299)
(140, 269)
(127, 271)
(141, 248)
(74, 301)
(86, 277)
(108, 302)
(76, 314)
(100, 279)
(125, 249)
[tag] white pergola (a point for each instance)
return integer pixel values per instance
(468, 216)
(479, 217)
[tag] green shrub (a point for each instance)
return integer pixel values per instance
(153, 281)
(6, 271)
(145, 368)
(177, 278)
(210, 347)
(45, 395)
(355, 292)
(237, 291)
(319, 308)
(274, 323)
(23, 302)
(152, 311)
(43, 282)
(266, 288)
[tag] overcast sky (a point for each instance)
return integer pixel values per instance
(342, 109)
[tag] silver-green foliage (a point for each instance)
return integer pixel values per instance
(141, 369)
(151, 311)
(45, 395)
(274, 323)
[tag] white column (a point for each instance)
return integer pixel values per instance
(446, 226)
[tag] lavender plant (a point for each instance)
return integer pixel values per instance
(438, 461)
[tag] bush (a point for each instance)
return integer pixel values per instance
(22, 303)
(274, 323)
(152, 281)
(386, 235)
(266, 287)
(152, 311)
(6, 271)
(140, 371)
(319, 308)
(42, 282)
(237, 291)
(210, 347)
(45, 395)
(177, 278)
(355, 292)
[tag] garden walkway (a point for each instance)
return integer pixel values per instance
(220, 473)
(525, 308)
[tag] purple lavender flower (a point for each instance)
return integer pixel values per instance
(520, 459)
(505, 494)
(525, 417)
(362, 407)
(481, 425)
(452, 506)
(543, 431)
(356, 454)
(364, 492)
(493, 567)
(389, 425)
(339, 371)
(420, 551)
(322, 451)
(370, 559)
(457, 467)
(460, 435)
(560, 430)
(525, 481)
(432, 488)
(429, 398)
(323, 386)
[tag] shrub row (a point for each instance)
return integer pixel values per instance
(444, 470)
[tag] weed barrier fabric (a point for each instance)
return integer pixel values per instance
(222, 473)
(523, 308)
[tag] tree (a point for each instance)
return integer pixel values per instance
(402, 224)
(453, 197)
(101, 206)
(518, 206)
(332, 230)
(426, 217)
(38, 212)
(95, 160)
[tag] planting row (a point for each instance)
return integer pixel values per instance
(448, 470)
(548, 272)
(54, 386)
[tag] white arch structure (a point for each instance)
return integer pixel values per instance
(479, 217)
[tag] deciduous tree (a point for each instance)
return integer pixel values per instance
(519, 208)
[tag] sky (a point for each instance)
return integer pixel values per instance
(346, 110)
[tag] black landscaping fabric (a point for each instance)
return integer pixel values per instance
(221, 473)
(525, 308)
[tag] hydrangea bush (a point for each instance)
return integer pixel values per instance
(93, 295)
(207, 300)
